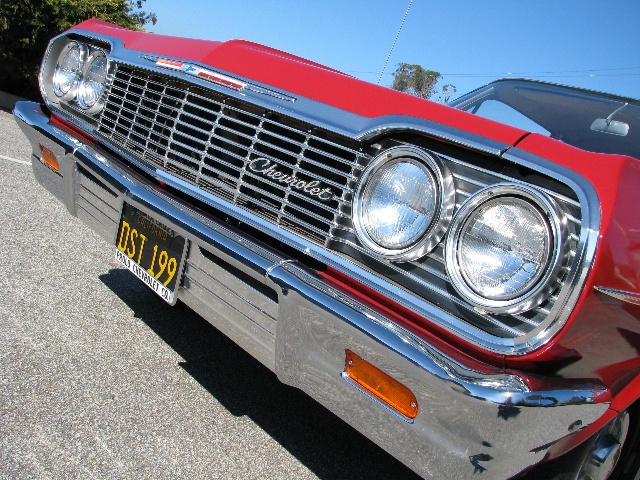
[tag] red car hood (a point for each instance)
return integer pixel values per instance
(302, 77)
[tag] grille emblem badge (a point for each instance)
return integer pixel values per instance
(201, 72)
(215, 77)
(269, 169)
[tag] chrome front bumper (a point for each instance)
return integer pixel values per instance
(470, 424)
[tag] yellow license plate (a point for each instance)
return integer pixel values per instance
(152, 251)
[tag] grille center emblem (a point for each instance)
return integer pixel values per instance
(269, 169)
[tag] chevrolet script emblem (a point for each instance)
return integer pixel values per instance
(269, 169)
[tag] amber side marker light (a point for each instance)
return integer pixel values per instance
(381, 385)
(49, 158)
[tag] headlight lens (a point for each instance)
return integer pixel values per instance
(92, 84)
(67, 70)
(504, 247)
(399, 209)
(75, 74)
(398, 204)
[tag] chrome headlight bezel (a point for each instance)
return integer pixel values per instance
(59, 71)
(429, 235)
(93, 105)
(61, 86)
(540, 285)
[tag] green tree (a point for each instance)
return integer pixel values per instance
(26, 26)
(415, 80)
(446, 92)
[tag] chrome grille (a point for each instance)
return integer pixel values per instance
(209, 140)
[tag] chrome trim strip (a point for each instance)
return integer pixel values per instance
(280, 264)
(623, 295)
(388, 124)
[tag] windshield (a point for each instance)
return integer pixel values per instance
(588, 120)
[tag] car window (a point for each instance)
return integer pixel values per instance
(500, 112)
(593, 121)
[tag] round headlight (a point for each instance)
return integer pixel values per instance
(67, 70)
(91, 86)
(403, 203)
(504, 248)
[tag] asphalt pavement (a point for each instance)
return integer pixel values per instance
(99, 378)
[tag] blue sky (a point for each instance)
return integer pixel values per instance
(585, 43)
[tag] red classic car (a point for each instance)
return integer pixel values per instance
(464, 292)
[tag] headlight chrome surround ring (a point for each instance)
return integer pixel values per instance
(433, 230)
(87, 99)
(67, 70)
(539, 285)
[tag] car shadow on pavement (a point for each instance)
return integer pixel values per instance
(318, 439)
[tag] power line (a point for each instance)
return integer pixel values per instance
(560, 73)
(394, 42)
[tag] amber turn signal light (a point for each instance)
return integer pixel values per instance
(49, 158)
(381, 385)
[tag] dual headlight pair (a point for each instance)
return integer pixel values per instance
(79, 75)
(503, 248)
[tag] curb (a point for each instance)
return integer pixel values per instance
(8, 101)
